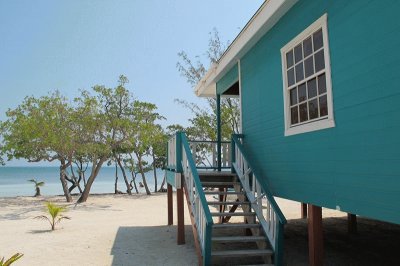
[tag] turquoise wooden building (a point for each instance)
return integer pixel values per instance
(320, 113)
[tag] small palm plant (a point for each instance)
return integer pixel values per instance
(10, 260)
(55, 214)
(37, 186)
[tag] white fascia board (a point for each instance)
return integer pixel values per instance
(262, 21)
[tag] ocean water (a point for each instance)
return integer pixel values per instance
(14, 181)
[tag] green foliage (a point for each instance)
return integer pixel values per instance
(193, 71)
(204, 122)
(56, 214)
(98, 125)
(11, 260)
(37, 186)
(39, 129)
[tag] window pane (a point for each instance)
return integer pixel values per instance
(321, 84)
(309, 66)
(302, 92)
(293, 96)
(290, 77)
(299, 72)
(307, 47)
(303, 112)
(294, 115)
(312, 88)
(298, 53)
(289, 59)
(318, 41)
(313, 108)
(323, 107)
(319, 61)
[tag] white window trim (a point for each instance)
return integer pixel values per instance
(312, 125)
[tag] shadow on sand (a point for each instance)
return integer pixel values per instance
(152, 245)
(376, 243)
(39, 231)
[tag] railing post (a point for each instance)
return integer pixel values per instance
(219, 132)
(178, 151)
(233, 154)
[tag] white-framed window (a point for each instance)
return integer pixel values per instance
(307, 84)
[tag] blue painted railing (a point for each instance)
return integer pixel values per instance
(183, 162)
(262, 201)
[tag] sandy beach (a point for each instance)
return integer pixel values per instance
(107, 230)
(132, 230)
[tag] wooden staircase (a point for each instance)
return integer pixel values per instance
(237, 238)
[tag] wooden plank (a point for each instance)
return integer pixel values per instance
(219, 184)
(242, 252)
(233, 214)
(181, 221)
(315, 236)
(232, 210)
(224, 193)
(238, 238)
(169, 203)
(238, 225)
(352, 223)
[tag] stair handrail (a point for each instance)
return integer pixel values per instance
(255, 192)
(198, 202)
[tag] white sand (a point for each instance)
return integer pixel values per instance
(131, 230)
(107, 230)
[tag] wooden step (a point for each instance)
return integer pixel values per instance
(215, 174)
(233, 214)
(224, 184)
(227, 202)
(235, 225)
(238, 238)
(223, 192)
(242, 253)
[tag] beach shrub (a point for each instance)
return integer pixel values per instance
(37, 186)
(11, 260)
(56, 215)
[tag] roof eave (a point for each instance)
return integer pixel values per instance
(261, 22)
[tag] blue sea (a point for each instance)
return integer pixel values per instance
(14, 181)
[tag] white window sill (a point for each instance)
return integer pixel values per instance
(313, 126)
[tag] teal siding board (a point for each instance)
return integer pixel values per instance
(355, 165)
(230, 78)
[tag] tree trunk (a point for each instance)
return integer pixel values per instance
(37, 194)
(81, 173)
(116, 180)
(162, 189)
(154, 173)
(143, 175)
(75, 182)
(128, 187)
(134, 182)
(95, 171)
(64, 182)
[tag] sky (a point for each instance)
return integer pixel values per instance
(72, 45)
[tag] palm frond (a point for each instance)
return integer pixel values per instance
(63, 217)
(11, 260)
